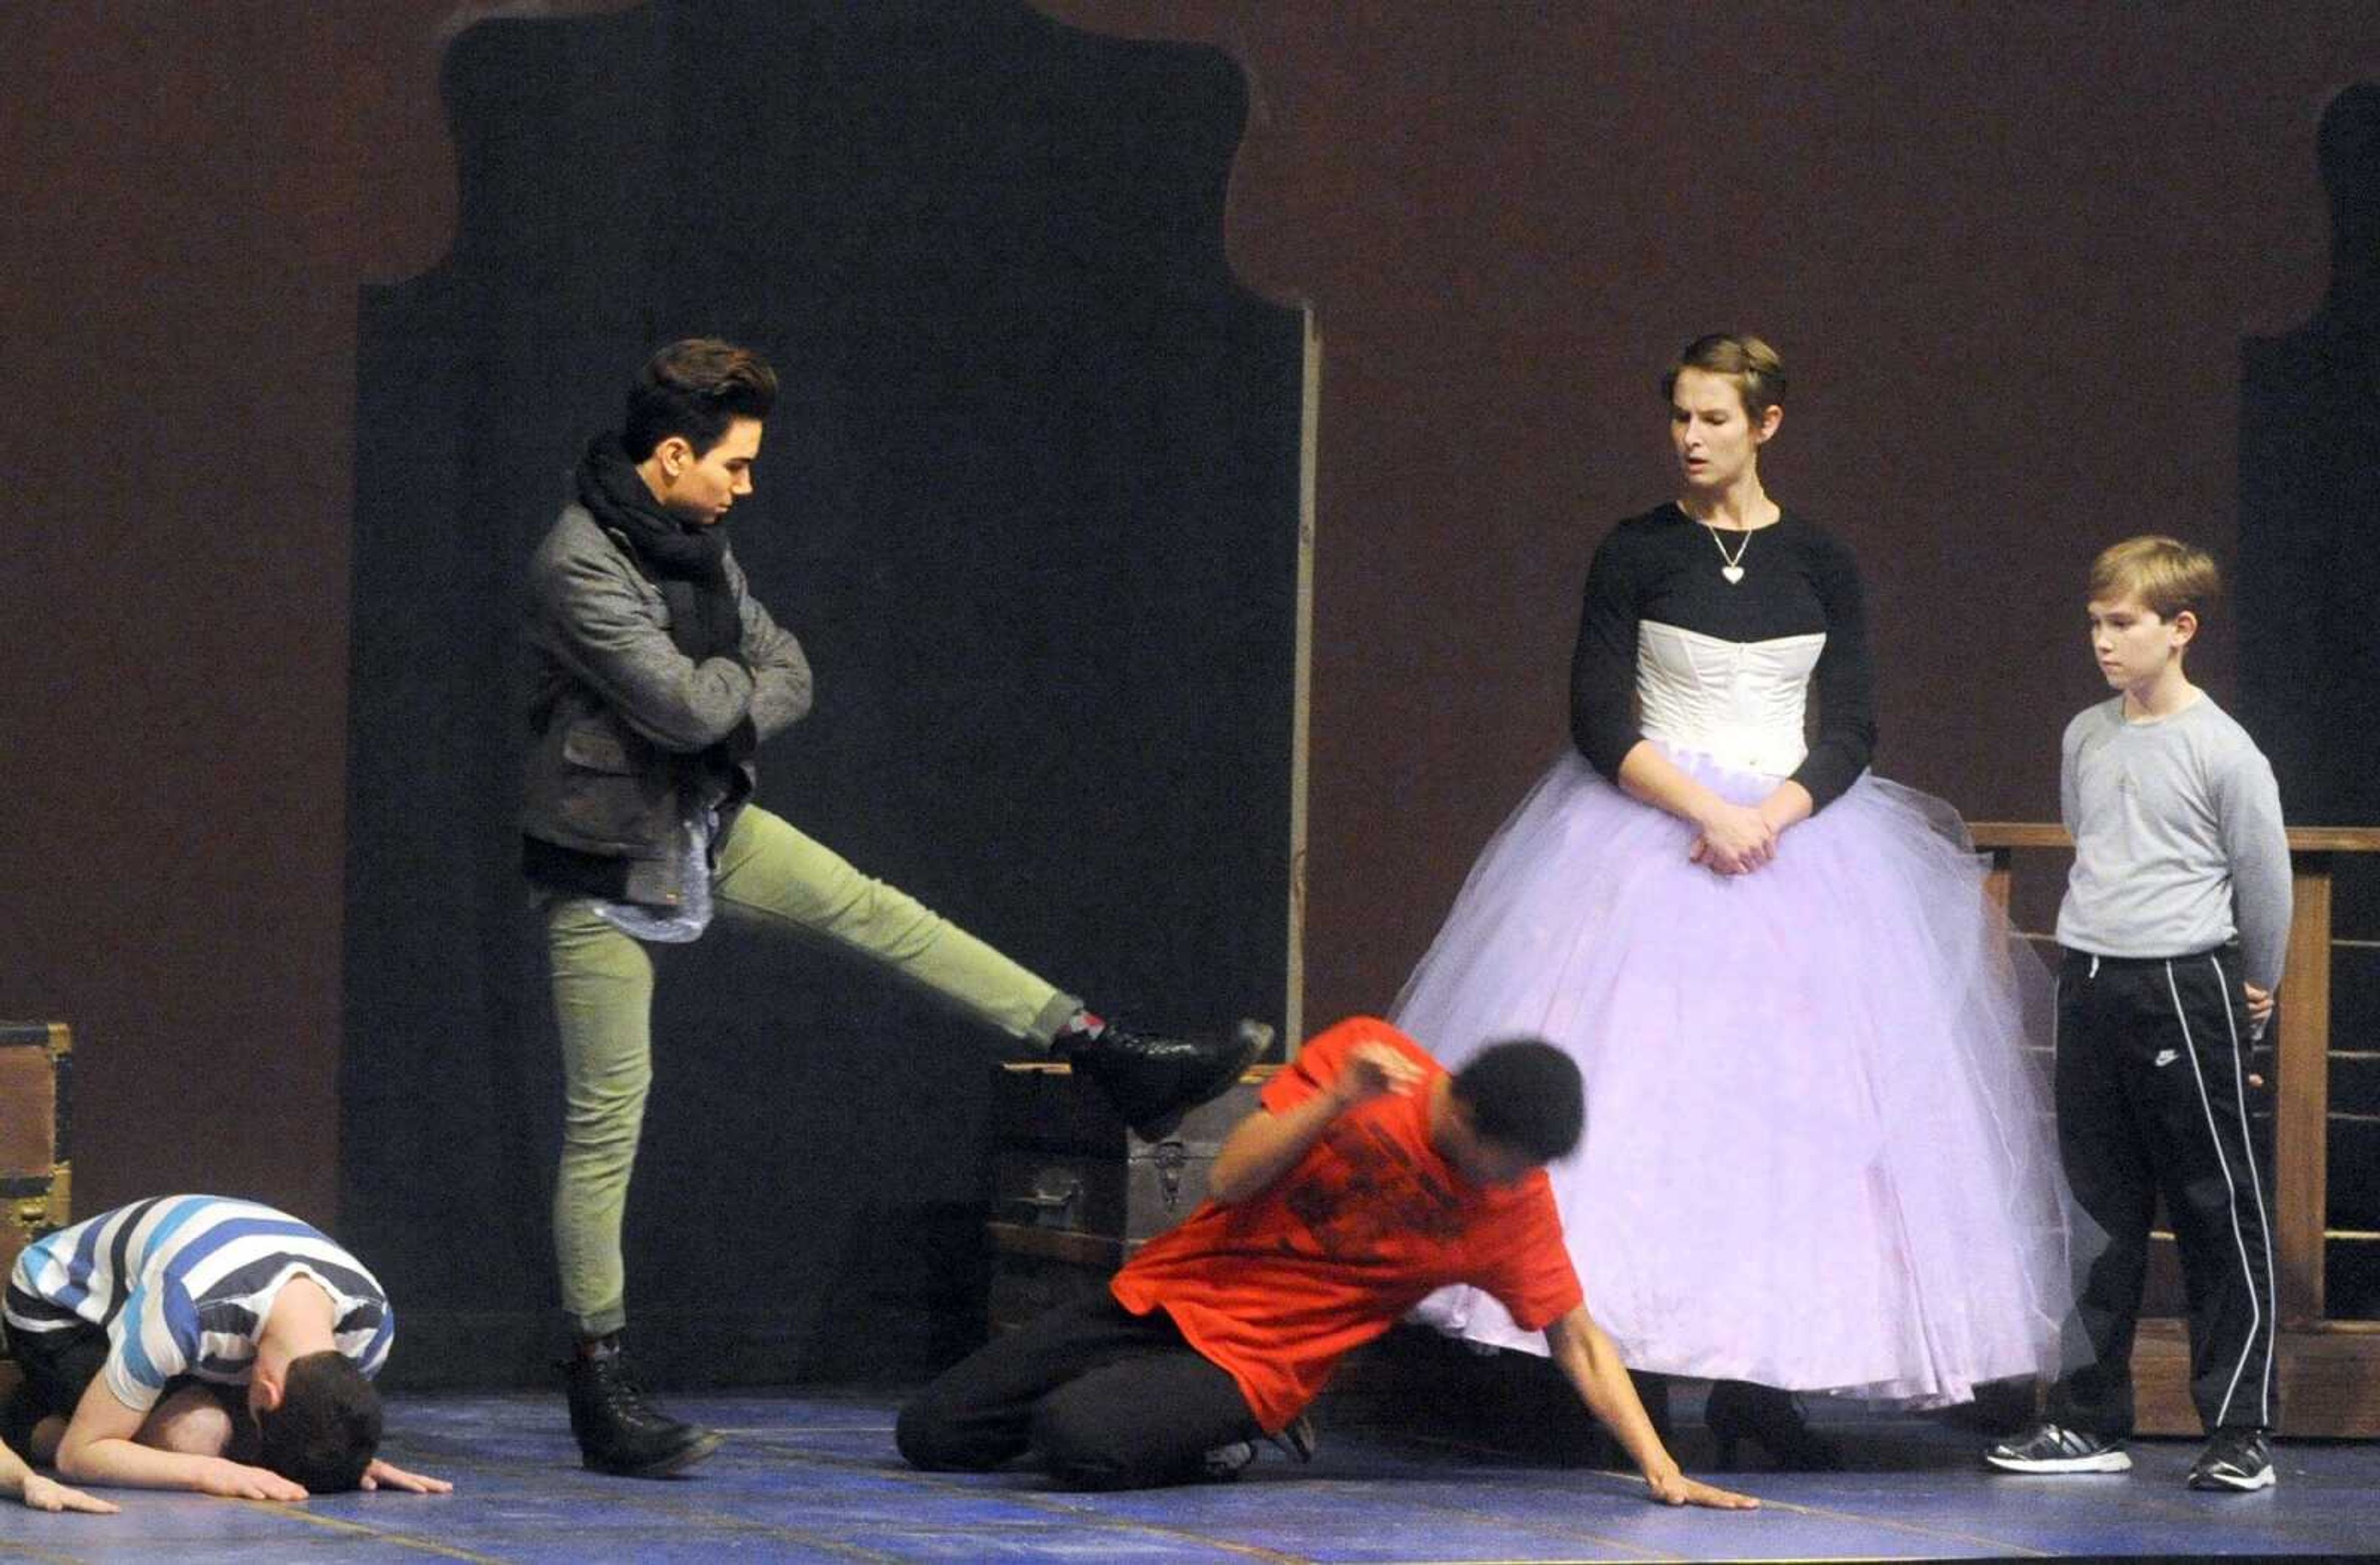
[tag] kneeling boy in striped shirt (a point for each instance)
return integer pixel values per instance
(204, 1343)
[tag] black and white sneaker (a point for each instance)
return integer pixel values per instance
(2053, 1448)
(1226, 1461)
(1229, 1461)
(2234, 1458)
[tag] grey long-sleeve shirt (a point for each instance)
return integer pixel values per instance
(2178, 838)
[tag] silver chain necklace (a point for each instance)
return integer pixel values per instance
(1731, 566)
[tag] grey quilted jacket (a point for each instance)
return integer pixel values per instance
(613, 703)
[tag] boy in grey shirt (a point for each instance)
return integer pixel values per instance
(2174, 925)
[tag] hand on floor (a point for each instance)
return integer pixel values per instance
(1679, 1489)
(388, 1475)
(48, 1494)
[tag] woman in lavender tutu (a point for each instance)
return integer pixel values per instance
(1816, 1156)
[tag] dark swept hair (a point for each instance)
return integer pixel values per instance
(325, 1431)
(1525, 1094)
(696, 388)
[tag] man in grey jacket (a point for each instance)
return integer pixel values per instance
(658, 677)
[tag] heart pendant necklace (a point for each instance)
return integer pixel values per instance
(1731, 566)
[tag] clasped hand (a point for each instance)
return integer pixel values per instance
(1736, 840)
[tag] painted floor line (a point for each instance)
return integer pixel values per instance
(1041, 1501)
(1997, 1545)
(365, 1529)
(795, 1456)
(2172, 1501)
(1916, 1529)
(9, 1550)
(1627, 1551)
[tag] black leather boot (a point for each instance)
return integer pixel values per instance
(1738, 1410)
(620, 1433)
(1153, 1080)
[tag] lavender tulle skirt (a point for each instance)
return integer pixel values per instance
(1818, 1153)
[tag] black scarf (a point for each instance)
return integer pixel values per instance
(685, 561)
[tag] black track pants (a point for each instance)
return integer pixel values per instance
(1105, 1398)
(2152, 1088)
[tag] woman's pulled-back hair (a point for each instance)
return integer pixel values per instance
(1752, 364)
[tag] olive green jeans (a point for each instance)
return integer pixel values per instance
(768, 874)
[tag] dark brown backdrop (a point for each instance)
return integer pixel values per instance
(2009, 252)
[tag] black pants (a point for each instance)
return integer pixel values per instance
(1105, 1398)
(58, 1367)
(2152, 1088)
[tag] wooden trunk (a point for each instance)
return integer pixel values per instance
(1074, 1192)
(36, 1062)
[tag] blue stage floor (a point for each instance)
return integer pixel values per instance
(814, 1477)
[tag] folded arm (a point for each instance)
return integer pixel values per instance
(1266, 1146)
(101, 1446)
(781, 675)
(600, 624)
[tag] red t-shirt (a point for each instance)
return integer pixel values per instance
(1365, 1225)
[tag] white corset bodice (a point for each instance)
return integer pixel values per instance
(1739, 702)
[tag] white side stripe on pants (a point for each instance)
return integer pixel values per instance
(2256, 1184)
(2231, 1189)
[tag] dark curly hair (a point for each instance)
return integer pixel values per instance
(1527, 1093)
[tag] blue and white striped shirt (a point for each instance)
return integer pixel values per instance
(181, 1285)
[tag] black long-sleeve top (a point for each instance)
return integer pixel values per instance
(1664, 566)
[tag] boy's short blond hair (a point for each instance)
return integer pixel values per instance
(2166, 575)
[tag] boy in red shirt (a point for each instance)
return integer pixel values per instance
(1369, 1178)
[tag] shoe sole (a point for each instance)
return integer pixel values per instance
(2105, 1462)
(2204, 1482)
(1298, 1441)
(1254, 1038)
(676, 1462)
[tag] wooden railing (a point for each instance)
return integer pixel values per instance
(2330, 1369)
